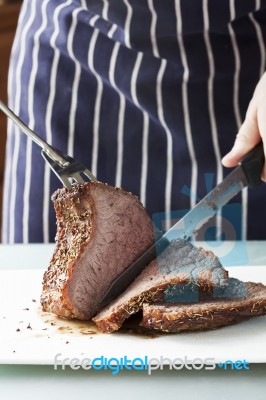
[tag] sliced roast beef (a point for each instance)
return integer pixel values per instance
(100, 231)
(212, 314)
(180, 263)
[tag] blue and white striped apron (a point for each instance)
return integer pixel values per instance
(148, 94)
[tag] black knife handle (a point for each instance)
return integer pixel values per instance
(252, 165)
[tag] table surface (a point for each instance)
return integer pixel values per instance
(44, 382)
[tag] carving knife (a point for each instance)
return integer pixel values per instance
(248, 173)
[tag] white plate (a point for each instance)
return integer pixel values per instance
(30, 336)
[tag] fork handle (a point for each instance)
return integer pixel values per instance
(40, 142)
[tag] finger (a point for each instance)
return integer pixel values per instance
(247, 138)
(262, 129)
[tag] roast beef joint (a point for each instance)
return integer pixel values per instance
(101, 230)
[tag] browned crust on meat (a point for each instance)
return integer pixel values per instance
(170, 317)
(67, 204)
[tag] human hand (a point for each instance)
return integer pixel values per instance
(253, 129)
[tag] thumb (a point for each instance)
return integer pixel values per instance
(247, 138)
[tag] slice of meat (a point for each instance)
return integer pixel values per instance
(179, 317)
(180, 263)
(100, 231)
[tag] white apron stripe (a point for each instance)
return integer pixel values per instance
(210, 93)
(112, 31)
(160, 112)
(74, 97)
(122, 100)
(48, 119)
(244, 213)
(105, 16)
(133, 83)
(153, 28)
(194, 167)
(97, 109)
(121, 115)
(15, 163)
(145, 158)
(127, 23)
(105, 9)
(145, 132)
(93, 20)
(214, 132)
(169, 166)
(33, 74)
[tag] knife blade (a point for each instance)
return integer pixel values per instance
(248, 173)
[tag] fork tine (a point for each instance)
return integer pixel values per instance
(72, 170)
(77, 178)
(55, 168)
(89, 174)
